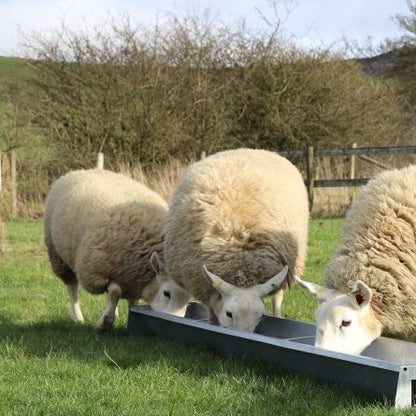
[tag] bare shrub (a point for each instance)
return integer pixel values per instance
(145, 95)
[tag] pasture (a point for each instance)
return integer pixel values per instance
(52, 366)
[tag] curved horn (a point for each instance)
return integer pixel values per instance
(273, 283)
(322, 293)
(222, 286)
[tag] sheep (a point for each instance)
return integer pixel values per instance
(243, 215)
(371, 278)
(99, 229)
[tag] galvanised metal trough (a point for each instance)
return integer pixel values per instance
(387, 368)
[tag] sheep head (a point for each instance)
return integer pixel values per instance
(169, 297)
(344, 322)
(242, 307)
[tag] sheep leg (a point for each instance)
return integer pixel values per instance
(113, 296)
(73, 298)
(277, 299)
(133, 302)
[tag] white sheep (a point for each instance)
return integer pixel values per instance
(100, 228)
(242, 215)
(371, 279)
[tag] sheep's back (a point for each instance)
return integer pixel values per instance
(81, 200)
(243, 213)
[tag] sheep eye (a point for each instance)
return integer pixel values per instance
(345, 323)
(229, 314)
(166, 293)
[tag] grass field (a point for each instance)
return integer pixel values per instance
(14, 68)
(51, 366)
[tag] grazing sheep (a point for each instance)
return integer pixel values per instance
(371, 279)
(100, 228)
(242, 215)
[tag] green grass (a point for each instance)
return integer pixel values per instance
(52, 366)
(14, 68)
(323, 237)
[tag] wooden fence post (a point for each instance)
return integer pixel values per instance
(310, 175)
(100, 160)
(13, 183)
(352, 163)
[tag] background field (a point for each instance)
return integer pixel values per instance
(51, 366)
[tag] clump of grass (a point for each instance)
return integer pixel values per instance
(161, 178)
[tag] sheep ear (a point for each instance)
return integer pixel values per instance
(322, 293)
(361, 293)
(273, 283)
(157, 264)
(220, 285)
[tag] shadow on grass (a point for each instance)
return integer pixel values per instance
(117, 349)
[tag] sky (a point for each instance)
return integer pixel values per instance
(314, 23)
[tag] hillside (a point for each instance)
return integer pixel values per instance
(381, 65)
(14, 69)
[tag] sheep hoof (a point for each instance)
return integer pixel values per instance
(104, 323)
(78, 319)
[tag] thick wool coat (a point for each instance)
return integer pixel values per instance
(378, 246)
(244, 214)
(102, 227)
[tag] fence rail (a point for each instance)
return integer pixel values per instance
(362, 152)
(350, 151)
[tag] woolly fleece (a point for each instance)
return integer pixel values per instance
(102, 227)
(378, 246)
(244, 213)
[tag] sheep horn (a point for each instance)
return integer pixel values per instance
(222, 286)
(273, 283)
